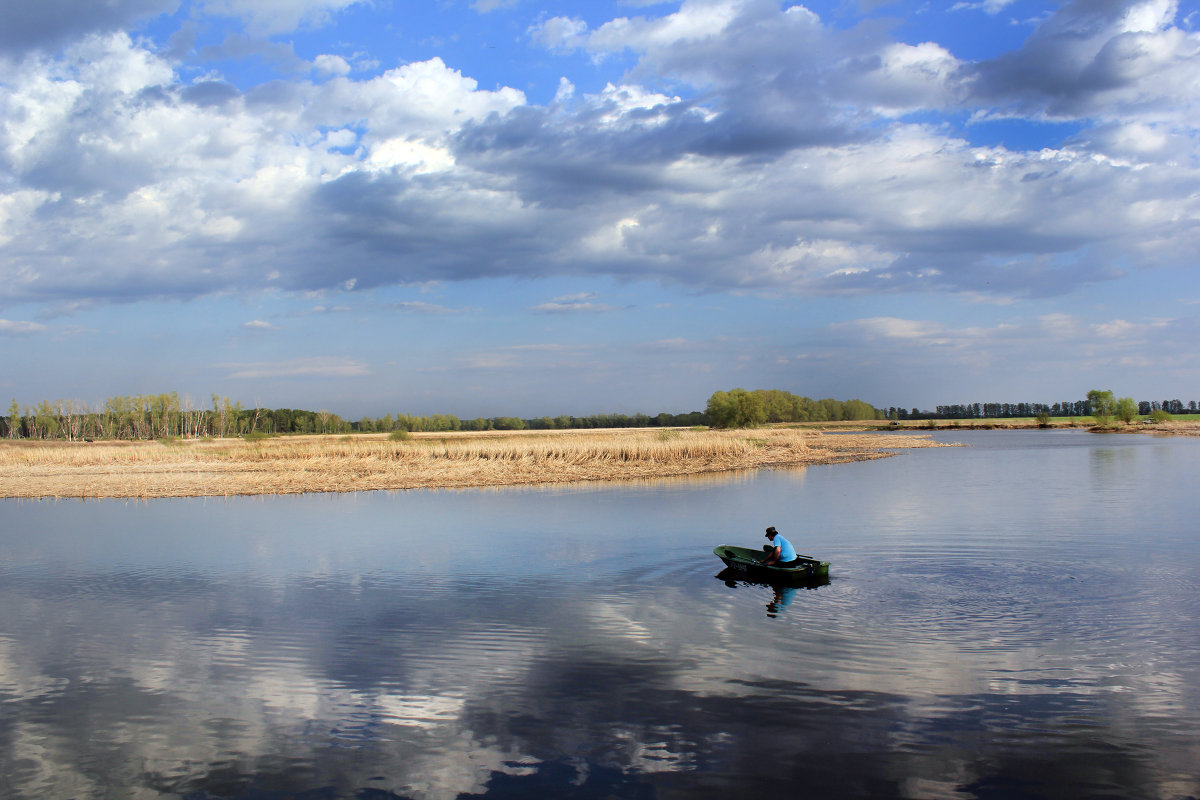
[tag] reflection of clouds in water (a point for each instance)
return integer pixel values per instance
(19, 682)
(617, 620)
(652, 750)
(36, 767)
(609, 688)
(418, 711)
(243, 694)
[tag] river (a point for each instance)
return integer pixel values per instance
(1014, 618)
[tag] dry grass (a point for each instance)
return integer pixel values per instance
(368, 462)
(1174, 427)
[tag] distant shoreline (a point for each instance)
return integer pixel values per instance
(1186, 426)
(370, 462)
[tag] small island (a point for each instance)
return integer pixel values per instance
(368, 462)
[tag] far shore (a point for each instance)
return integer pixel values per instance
(369, 462)
(1179, 426)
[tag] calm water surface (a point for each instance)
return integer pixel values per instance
(1012, 619)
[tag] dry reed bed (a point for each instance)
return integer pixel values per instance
(363, 463)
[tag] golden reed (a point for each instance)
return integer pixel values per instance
(365, 462)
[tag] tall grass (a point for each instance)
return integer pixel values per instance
(366, 462)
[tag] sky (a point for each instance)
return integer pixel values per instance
(507, 207)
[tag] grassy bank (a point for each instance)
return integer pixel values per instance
(215, 467)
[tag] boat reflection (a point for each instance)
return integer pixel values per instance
(782, 593)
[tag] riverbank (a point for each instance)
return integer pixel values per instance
(367, 462)
(1179, 426)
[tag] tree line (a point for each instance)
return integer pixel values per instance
(146, 416)
(1068, 408)
(740, 408)
(448, 422)
(162, 416)
(167, 416)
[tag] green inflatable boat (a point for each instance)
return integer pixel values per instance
(745, 560)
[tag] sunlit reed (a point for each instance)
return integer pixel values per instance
(369, 462)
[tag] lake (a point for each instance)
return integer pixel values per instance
(1016, 618)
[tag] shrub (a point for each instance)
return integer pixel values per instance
(1127, 409)
(400, 435)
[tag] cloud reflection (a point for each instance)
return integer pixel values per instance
(208, 688)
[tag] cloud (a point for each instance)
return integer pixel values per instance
(518, 356)
(1097, 58)
(682, 344)
(238, 46)
(560, 34)
(580, 302)
(547, 348)
(991, 7)
(10, 327)
(490, 361)
(1119, 329)
(266, 17)
(894, 328)
(317, 367)
(486, 6)
(416, 306)
(562, 308)
(48, 23)
(209, 93)
(258, 324)
(1075, 339)
(782, 159)
(328, 64)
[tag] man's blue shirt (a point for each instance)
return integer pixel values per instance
(786, 551)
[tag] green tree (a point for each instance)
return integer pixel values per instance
(857, 409)
(14, 420)
(1103, 405)
(736, 409)
(1102, 402)
(1127, 409)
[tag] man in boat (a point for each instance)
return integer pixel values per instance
(782, 554)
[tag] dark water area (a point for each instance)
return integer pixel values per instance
(1012, 619)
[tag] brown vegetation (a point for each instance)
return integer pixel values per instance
(364, 462)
